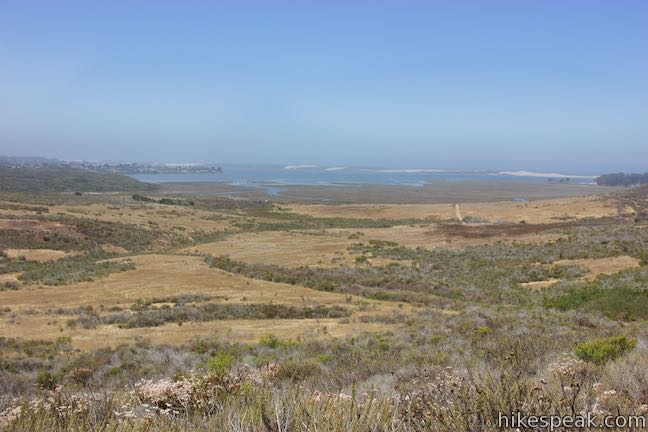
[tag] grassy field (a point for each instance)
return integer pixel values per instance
(64, 179)
(542, 211)
(166, 276)
(179, 312)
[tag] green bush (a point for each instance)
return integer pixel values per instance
(145, 315)
(138, 197)
(299, 370)
(221, 363)
(602, 350)
(66, 270)
(610, 297)
(483, 330)
(270, 341)
(62, 178)
(46, 380)
(572, 298)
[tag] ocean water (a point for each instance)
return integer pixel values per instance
(272, 178)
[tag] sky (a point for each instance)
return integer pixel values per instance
(524, 84)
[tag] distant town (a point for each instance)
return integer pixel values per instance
(113, 167)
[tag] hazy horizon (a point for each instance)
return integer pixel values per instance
(562, 168)
(547, 86)
(333, 167)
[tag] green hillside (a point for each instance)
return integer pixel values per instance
(62, 179)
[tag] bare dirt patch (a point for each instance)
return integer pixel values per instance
(540, 285)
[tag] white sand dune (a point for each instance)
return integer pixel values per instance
(539, 174)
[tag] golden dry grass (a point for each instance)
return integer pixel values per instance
(281, 248)
(114, 249)
(48, 328)
(166, 276)
(290, 249)
(597, 266)
(39, 227)
(330, 247)
(541, 211)
(594, 266)
(431, 237)
(166, 216)
(8, 277)
(160, 276)
(40, 255)
(540, 285)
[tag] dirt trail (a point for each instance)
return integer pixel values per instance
(458, 213)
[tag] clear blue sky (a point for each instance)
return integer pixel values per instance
(448, 84)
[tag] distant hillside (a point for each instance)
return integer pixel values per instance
(622, 179)
(61, 179)
(28, 160)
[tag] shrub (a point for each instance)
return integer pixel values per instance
(63, 340)
(602, 350)
(221, 363)
(46, 380)
(270, 341)
(115, 371)
(66, 270)
(147, 316)
(483, 330)
(299, 370)
(10, 285)
(620, 296)
(80, 375)
(138, 197)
